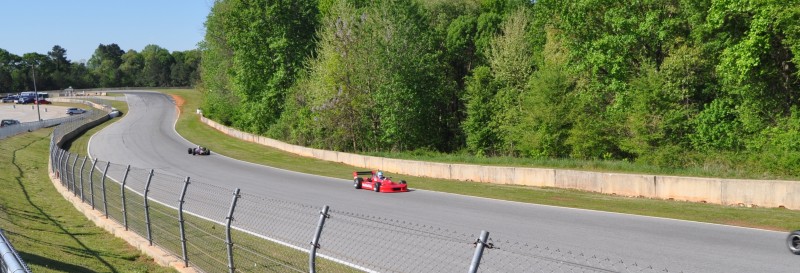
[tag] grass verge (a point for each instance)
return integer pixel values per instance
(49, 237)
(80, 144)
(190, 127)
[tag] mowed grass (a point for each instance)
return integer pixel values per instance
(190, 127)
(44, 228)
(80, 145)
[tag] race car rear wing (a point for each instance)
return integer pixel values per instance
(362, 173)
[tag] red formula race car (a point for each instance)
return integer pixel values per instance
(377, 182)
(793, 242)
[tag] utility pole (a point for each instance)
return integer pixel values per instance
(38, 112)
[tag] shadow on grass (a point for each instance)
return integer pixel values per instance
(82, 251)
(45, 262)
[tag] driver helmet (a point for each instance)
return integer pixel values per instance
(380, 174)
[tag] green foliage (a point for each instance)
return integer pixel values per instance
(109, 66)
(544, 122)
(157, 63)
(269, 40)
(672, 83)
(131, 68)
(717, 127)
(375, 83)
(478, 128)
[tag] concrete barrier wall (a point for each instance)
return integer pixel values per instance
(765, 193)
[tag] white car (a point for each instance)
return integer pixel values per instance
(73, 111)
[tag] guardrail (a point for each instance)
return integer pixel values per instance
(216, 229)
(10, 262)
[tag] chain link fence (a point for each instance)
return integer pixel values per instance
(217, 229)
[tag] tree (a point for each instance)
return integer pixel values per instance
(132, 68)
(511, 60)
(157, 63)
(184, 70)
(104, 64)
(270, 39)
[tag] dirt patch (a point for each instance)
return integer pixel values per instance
(740, 223)
(179, 101)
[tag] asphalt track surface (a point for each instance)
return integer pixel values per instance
(145, 137)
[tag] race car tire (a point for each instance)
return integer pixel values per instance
(403, 182)
(793, 242)
(378, 187)
(190, 150)
(208, 152)
(357, 183)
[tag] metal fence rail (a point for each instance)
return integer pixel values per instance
(10, 262)
(217, 229)
(24, 127)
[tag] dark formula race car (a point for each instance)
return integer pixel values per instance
(377, 182)
(793, 242)
(199, 151)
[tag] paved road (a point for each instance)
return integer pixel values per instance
(146, 138)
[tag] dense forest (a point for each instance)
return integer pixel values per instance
(674, 83)
(109, 66)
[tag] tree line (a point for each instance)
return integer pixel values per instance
(676, 83)
(109, 66)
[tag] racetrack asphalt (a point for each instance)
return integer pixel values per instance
(145, 138)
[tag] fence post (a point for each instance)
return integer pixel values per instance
(147, 208)
(81, 177)
(52, 157)
(480, 244)
(180, 223)
(228, 241)
(74, 193)
(315, 241)
(103, 188)
(91, 182)
(122, 190)
(60, 169)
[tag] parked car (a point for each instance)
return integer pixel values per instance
(11, 98)
(73, 111)
(41, 101)
(8, 122)
(24, 100)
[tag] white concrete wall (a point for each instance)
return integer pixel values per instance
(737, 192)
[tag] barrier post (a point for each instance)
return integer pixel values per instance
(103, 188)
(80, 177)
(74, 192)
(122, 190)
(228, 241)
(480, 244)
(312, 255)
(91, 182)
(147, 208)
(180, 222)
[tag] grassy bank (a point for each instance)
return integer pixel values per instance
(50, 235)
(767, 218)
(80, 144)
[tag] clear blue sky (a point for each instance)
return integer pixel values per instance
(80, 26)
